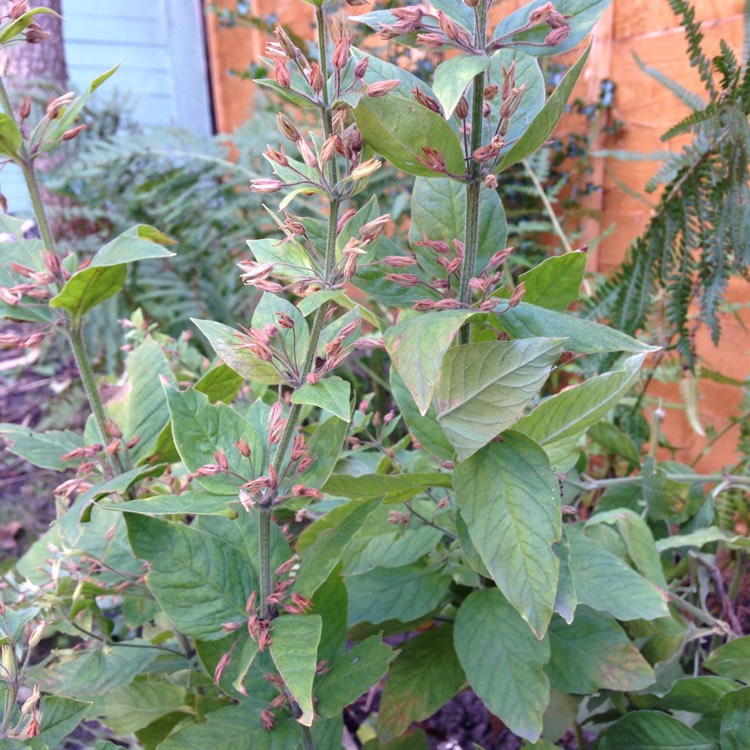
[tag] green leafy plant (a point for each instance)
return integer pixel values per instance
(285, 526)
(698, 236)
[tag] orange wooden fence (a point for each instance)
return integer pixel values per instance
(644, 27)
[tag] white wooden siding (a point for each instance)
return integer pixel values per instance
(163, 71)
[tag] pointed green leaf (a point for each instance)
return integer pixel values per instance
(67, 118)
(528, 73)
(192, 503)
(225, 342)
(324, 446)
(584, 336)
(399, 128)
(138, 704)
(425, 675)
(638, 539)
(510, 500)
(107, 272)
(580, 15)
(10, 137)
(389, 486)
(382, 70)
(220, 383)
(652, 730)
(566, 599)
(417, 347)
(90, 287)
(732, 660)
(289, 259)
(666, 499)
(438, 209)
(96, 670)
(41, 448)
(141, 242)
(606, 583)
(594, 652)
(425, 429)
(351, 675)
(294, 648)
(559, 422)
(199, 581)
(459, 12)
(735, 727)
(699, 695)
(142, 410)
(699, 539)
(405, 593)
(332, 394)
(615, 440)
(59, 717)
(390, 548)
(267, 312)
(201, 428)
(503, 661)
(243, 533)
(452, 76)
(545, 122)
(350, 230)
(233, 727)
(556, 282)
(13, 29)
(484, 388)
(322, 557)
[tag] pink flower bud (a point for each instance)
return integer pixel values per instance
(399, 261)
(69, 135)
(381, 88)
(540, 15)
(266, 185)
(557, 36)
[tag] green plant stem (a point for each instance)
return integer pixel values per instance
(590, 484)
(89, 384)
(73, 327)
(287, 435)
(579, 735)
(699, 614)
(308, 743)
(547, 205)
(474, 186)
(325, 110)
(738, 578)
(427, 521)
(715, 438)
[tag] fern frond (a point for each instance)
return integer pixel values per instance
(685, 95)
(726, 63)
(711, 111)
(694, 37)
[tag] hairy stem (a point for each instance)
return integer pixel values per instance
(264, 528)
(474, 186)
(73, 328)
(89, 384)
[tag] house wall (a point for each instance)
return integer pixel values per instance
(645, 27)
(163, 76)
